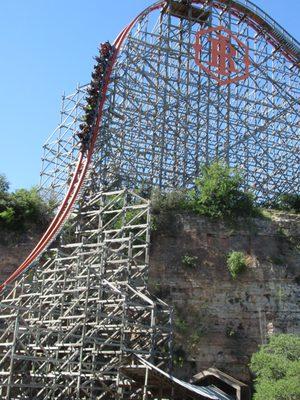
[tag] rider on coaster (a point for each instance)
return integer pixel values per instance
(105, 49)
(93, 93)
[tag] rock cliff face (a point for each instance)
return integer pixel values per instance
(220, 321)
(14, 248)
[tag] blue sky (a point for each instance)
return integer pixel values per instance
(47, 48)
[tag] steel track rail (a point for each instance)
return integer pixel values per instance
(259, 20)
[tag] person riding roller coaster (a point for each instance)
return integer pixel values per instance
(105, 49)
(94, 93)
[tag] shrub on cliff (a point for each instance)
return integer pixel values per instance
(190, 261)
(219, 193)
(236, 263)
(286, 202)
(169, 201)
(277, 369)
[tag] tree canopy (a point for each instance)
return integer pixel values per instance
(22, 208)
(4, 184)
(277, 369)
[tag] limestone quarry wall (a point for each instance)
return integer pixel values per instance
(220, 321)
(14, 248)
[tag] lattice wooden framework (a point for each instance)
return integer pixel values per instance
(83, 306)
(165, 117)
(68, 323)
(60, 151)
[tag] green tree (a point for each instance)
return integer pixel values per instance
(29, 207)
(4, 184)
(6, 213)
(7, 217)
(219, 193)
(22, 208)
(277, 369)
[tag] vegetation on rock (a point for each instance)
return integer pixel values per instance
(190, 261)
(218, 193)
(169, 201)
(286, 202)
(236, 263)
(277, 369)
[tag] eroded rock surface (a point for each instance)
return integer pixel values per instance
(14, 248)
(220, 321)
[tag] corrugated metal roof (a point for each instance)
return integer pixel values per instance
(209, 392)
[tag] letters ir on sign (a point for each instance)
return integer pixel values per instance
(222, 55)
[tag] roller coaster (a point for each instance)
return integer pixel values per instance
(184, 84)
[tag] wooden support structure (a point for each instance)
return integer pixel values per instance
(67, 324)
(157, 384)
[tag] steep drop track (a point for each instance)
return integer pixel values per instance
(255, 17)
